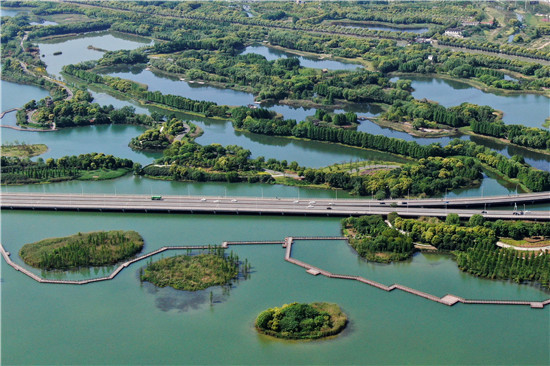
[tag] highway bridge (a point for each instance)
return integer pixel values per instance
(270, 206)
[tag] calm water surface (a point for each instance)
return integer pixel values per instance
(75, 49)
(316, 63)
(17, 95)
(43, 23)
(169, 85)
(526, 109)
(5, 12)
(127, 322)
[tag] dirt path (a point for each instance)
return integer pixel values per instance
(532, 249)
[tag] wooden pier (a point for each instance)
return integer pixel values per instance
(287, 243)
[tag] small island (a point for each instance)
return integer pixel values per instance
(194, 272)
(302, 321)
(23, 150)
(81, 250)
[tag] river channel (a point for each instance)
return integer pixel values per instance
(125, 322)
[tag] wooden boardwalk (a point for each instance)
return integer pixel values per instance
(448, 299)
(8, 111)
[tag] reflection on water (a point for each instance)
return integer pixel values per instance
(169, 299)
(525, 109)
(75, 49)
(271, 54)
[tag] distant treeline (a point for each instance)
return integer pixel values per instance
(536, 138)
(533, 179)
(24, 171)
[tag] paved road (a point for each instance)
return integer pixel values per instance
(236, 205)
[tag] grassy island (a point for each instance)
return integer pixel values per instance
(193, 273)
(302, 321)
(83, 249)
(23, 150)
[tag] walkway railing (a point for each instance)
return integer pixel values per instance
(448, 299)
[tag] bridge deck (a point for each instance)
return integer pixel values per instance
(272, 206)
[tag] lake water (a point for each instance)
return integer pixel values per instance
(75, 49)
(17, 95)
(169, 85)
(5, 12)
(43, 23)
(526, 109)
(127, 322)
(271, 54)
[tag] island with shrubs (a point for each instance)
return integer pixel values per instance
(98, 248)
(302, 321)
(195, 272)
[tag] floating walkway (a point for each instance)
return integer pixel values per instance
(448, 299)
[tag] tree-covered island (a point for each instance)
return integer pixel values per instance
(488, 249)
(94, 166)
(98, 248)
(375, 241)
(302, 321)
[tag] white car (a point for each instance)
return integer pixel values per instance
(216, 201)
(296, 201)
(203, 199)
(233, 200)
(312, 202)
(310, 206)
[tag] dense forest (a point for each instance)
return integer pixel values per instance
(425, 177)
(506, 264)
(191, 161)
(24, 171)
(374, 240)
(159, 137)
(78, 111)
(475, 246)
(520, 135)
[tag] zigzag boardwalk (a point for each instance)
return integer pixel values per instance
(448, 299)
